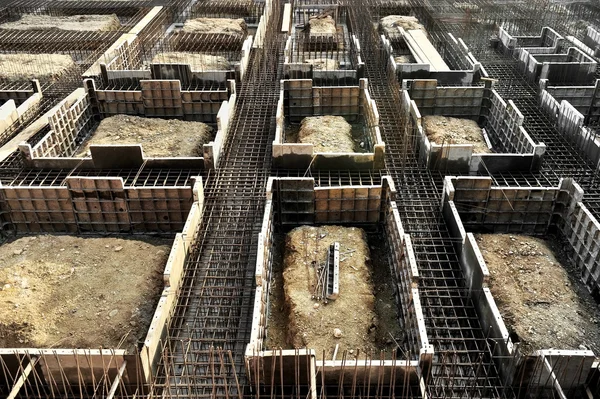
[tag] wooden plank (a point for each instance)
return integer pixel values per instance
(425, 50)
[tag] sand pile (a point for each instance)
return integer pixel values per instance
(222, 26)
(446, 130)
(76, 292)
(23, 66)
(327, 133)
(322, 26)
(198, 62)
(158, 137)
(391, 23)
(323, 64)
(107, 22)
(538, 301)
(312, 324)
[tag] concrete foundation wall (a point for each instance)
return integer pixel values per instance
(301, 98)
(502, 121)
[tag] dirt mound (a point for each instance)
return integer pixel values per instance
(62, 22)
(391, 23)
(198, 62)
(537, 299)
(221, 26)
(446, 130)
(353, 312)
(321, 26)
(76, 292)
(323, 64)
(327, 133)
(158, 137)
(22, 66)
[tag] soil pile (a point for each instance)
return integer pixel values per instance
(537, 299)
(79, 292)
(446, 130)
(158, 137)
(327, 133)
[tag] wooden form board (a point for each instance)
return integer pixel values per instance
(423, 51)
(95, 204)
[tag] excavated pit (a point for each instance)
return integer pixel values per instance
(24, 66)
(365, 311)
(158, 137)
(447, 130)
(79, 292)
(539, 294)
(99, 23)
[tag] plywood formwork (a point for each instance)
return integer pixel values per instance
(17, 108)
(95, 205)
(501, 121)
(286, 194)
(105, 371)
(464, 200)
(301, 98)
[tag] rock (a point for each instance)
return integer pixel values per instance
(17, 251)
(6, 287)
(118, 249)
(337, 333)
(133, 323)
(316, 306)
(113, 313)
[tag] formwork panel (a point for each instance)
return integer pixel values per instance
(35, 210)
(100, 204)
(162, 98)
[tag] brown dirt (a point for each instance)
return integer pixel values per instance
(76, 292)
(198, 62)
(323, 64)
(322, 26)
(158, 137)
(446, 130)
(391, 23)
(327, 133)
(539, 302)
(365, 313)
(221, 26)
(23, 66)
(107, 22)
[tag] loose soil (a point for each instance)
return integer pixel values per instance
(321, 26)
(391, 23)
(365, 310)
(23, 66)
(446, 130)
(106, 22)
(158, 137)
(198, 62)
(327, 133)
(220, 26)
(79, 292)
(323, 64)
(543, 304)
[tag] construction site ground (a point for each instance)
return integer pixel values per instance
(60, 291)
